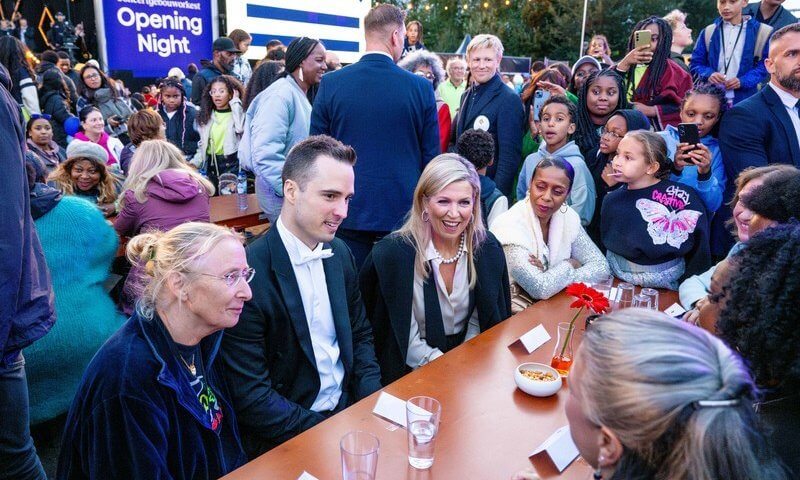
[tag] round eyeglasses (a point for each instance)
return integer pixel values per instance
(232, 279)
(608, 133)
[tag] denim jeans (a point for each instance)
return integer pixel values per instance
(268, 200)
(18, 459)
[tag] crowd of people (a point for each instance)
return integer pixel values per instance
(413, 204)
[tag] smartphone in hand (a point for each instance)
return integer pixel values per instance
(688, 133)
(539, 97)
(642, 38)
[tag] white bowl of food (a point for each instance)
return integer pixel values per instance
(537, 379)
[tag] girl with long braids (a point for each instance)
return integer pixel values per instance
(220, 124)
(599, 98)
(278, 118)
(178, 117)
(654, 82)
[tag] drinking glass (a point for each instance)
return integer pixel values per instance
(603, 285)
(422, 421)
(642, 301)
(653, 294)
(359, 455)
(625, 293)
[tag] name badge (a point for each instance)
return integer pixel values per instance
(481, 123)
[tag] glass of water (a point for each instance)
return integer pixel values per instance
(642, 301)
(625, 293)
(359, 455)
(603, 285)
(422, 420)
(653, 294)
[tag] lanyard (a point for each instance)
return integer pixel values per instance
(733, 51)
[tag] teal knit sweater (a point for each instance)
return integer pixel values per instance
(79, 246)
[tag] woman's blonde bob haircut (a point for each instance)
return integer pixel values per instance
(442, 171)
(161, 254)
(485, 40)
(150, 159)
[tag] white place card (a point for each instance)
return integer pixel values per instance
(675, 310)
(534, 338)
(560, 448)
(612, 294)
(306, 476)
(393, 409)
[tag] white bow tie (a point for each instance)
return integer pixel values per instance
(313, 255)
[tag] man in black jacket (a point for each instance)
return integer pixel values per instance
(303, 348)
(224, 54)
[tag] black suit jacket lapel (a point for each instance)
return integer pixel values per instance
(337, 293)
(396, 277)
(287, 283)
(779, 110)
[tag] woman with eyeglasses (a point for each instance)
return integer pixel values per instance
(153, 402)
(160, 192)
(98, 90)
(429, 66)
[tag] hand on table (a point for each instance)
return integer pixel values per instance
(528, 474)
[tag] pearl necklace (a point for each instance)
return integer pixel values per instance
(457, 256)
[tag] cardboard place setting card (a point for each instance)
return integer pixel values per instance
(393, 409)
(534, 339)
(559, 447)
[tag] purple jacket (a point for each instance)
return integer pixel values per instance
(173, 197)
(27, 309)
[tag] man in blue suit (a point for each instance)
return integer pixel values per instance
(303, 348)
(765, 128)
(388, 115)
(491, 106)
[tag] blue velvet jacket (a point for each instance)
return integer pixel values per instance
(136, 416)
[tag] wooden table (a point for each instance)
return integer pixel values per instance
(488, 426)
(225, 211)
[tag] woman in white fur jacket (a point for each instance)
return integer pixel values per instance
(540, 269)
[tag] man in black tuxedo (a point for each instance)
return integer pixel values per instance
(303, 347)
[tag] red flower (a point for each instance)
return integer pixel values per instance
(587, 297)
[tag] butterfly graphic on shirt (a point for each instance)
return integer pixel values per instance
(665, 225)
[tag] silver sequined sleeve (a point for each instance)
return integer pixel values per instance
(542, 285)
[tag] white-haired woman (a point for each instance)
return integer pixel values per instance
(491, 106)
(153, 402)
(439, 280)
(160, 192)
(653, 397)
(429, 65)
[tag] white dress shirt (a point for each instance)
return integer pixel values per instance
(731, 50)
(454, 308)
(790, 102)
(310, 275)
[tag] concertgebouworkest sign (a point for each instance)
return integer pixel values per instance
(148, 37)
